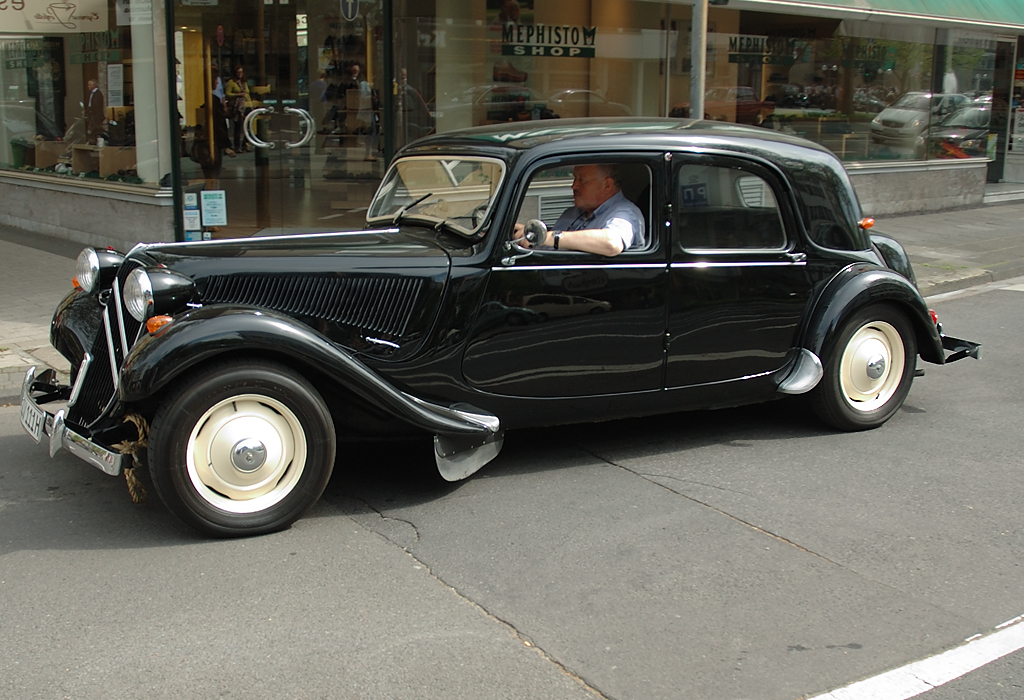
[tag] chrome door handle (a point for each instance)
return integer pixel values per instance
(307, 118)
(250, 135)
(797, 257)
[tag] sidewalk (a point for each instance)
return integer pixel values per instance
(949, 250)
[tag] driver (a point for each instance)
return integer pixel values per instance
(602, 220)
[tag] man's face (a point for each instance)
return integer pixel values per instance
(590, 187)
(91, 85)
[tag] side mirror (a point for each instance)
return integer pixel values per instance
(535, 230)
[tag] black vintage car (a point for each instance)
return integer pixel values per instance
(241, 364)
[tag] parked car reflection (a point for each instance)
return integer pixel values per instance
(586, 103)
(739, 104)
(559, 305)
(962, 134)
(492, 104)
(902, 122)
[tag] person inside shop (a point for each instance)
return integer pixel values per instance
(417, 120)
(367, 117)
(220, 113)
(95, 112)
(601, 220)
(239, 101)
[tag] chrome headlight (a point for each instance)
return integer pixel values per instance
(138, 295)
(87, 270)
(156, 291)
(96, 269)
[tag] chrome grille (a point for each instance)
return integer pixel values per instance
(119, 333)
(378, 304)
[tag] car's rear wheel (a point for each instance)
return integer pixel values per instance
(868, 370)
(244, 448)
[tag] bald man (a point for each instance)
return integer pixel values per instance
(602, 220)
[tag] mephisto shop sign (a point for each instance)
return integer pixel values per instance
(547, 40)
(45, 17)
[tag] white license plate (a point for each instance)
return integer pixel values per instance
(32, 419)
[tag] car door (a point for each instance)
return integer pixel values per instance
(569, 324)
(738, 283)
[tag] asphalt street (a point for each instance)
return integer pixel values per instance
(744, 553)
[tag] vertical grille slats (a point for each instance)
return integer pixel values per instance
(376, 304)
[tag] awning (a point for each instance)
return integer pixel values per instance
(982, 15)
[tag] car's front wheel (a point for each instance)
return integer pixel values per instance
(243, 448)
(868, 370)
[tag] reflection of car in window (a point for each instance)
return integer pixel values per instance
(733, 104)
(902, 122)
(962, 134)
(245, 362)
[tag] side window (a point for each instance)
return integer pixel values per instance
(720, 208)
(549, 197)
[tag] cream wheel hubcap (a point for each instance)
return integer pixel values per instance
(246, 453)
(872, 365)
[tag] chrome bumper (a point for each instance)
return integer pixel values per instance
(61, 436)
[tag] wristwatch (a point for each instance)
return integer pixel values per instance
(557, 236)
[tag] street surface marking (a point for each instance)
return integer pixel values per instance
(1015, 287)
(921, 676)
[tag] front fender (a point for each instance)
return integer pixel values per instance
(858, 285)
(218, 330)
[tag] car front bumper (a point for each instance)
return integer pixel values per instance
(39, 423)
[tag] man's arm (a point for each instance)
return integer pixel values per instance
(600, 241)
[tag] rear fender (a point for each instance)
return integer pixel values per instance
(224, 330)
(859, 285)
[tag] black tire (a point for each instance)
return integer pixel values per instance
(856, 392)
(269, 446)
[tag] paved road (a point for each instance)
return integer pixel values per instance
(745, 553)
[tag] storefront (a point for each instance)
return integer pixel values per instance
(215, 118)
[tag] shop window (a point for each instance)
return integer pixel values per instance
(79, 95)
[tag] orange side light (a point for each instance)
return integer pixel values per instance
(75, 284)
(866, 223)
(157, 322)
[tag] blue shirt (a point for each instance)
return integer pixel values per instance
(616, 214)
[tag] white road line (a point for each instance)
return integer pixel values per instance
(921, 676)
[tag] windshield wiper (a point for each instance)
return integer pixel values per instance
(407, 207)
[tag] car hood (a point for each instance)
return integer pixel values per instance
(373, 291)
(956, 133)
(902, 116)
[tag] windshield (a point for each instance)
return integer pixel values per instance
(457, 193)
(917, 101)
(969, 118)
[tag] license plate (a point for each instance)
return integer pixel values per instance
(32, 419)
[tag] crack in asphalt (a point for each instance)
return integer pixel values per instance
(650, 479)
(768, 533)
(684, 481)
(524, 638)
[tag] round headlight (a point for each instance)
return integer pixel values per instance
(87, 270)
(138, 295)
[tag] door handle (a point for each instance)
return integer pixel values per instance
(250, 135)
(307, 119)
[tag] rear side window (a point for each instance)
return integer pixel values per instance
(827, 207)
(724, 208)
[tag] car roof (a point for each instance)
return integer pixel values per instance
(618, 133)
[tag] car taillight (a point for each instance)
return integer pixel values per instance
(935, 316)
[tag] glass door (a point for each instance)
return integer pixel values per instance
(292, 141)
